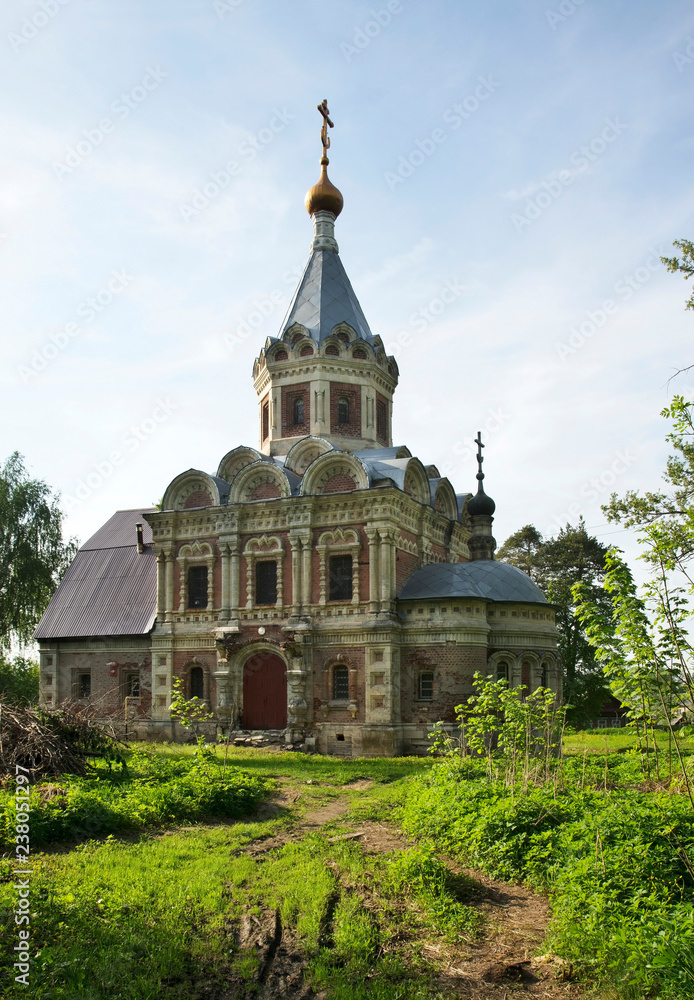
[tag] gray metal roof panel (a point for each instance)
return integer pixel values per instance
(120, 530)
(109, 588)
(324, 298)
(485, 579)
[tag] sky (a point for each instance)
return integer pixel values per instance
(511, 174)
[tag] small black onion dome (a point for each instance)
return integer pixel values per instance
(480, 504)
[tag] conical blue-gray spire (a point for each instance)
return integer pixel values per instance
(325, 298)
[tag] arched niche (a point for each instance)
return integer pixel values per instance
(304, 452)
(259, 481)
(237, 459)
(335, 472)
(445, 500)
(416, 482)
(193, 489)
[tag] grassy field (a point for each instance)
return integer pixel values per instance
(274, 874)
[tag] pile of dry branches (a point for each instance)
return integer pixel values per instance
(64, 741)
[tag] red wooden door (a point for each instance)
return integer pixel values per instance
(264, 692)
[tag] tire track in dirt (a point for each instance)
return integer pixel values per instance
(496, 967)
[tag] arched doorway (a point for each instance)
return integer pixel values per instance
(264, 692)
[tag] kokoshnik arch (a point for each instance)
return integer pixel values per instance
(326, 586)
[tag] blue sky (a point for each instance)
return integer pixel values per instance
(532, 158)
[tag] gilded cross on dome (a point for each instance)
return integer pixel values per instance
(325, 138)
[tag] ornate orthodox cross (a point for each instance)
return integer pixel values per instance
(325, 138)
(480, 459)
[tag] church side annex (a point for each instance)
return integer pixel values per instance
(326, 588)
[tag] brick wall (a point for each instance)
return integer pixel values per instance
(352, 393)
(266, 491)
(201, 498)
(453, 667)
(289, 394)
(339, 484)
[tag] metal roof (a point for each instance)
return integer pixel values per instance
(484, 579)
(109, 588)
(325, 298)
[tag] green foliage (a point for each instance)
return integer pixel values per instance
(19, 681)
(557, 565)
(643, 658)
(685, 266)
(519, 736)
(617, 871)
(153, 792)
(33, 554)
(190, 712)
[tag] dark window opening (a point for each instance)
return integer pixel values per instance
(132, 686)
(543, 676)
(340, 684)
(197, 683)
(266, 420)
(381, 420)
(426, 686)
(84, 686)
(340, 570)
(343, 410)
(298, 410)
(197, 587)
(340, 737)
(502, 671)
(266, 582)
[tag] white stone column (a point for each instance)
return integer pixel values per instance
(306, 582)
(224, 613)
(168, 553)
(161, 585)
(235, 583)
(295, 542)
(374, 581)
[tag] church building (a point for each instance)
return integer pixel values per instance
(325, 588)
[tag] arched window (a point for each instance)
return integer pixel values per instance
(333, 350)
(343, 410)
(543, 676)
(197, 683)
(340, 684)
(381, 420)
(298, 410)
(426, 686)
(197, 587)
(502, 671)
(359, 354)
(281, 355)
(266, 420)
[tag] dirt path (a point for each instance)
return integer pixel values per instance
(498, 966)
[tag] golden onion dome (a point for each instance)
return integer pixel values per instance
(324, 196)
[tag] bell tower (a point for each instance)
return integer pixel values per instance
(326, 374)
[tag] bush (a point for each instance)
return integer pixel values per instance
(154, 792)
(617, 871)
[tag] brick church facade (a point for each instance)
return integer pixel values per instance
(326, 587)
